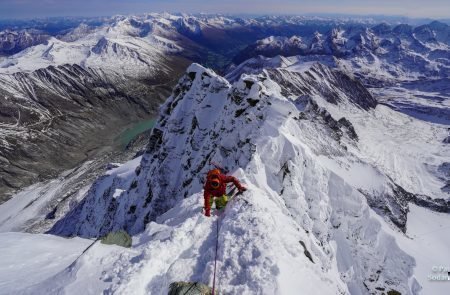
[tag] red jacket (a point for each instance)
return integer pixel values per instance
(209, 191)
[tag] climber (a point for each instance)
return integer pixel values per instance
(215, 187)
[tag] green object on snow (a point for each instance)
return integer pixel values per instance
(189, 288)
(120, 238)
(221, 201)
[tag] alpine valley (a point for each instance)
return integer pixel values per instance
(339, 128)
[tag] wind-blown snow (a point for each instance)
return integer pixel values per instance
(259, 253)
(166, 253)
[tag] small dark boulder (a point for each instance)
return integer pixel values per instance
(119, 238)
(189, 288)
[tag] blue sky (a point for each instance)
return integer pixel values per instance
(43, 8)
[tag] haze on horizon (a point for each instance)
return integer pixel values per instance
(12, 9)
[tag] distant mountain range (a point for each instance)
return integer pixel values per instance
(381, 52)
(62, 68)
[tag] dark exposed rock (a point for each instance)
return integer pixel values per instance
(340, 87)
(155, 140)
(337, 128)
(394, 205)
(349, 127)
(306, 252)
(67, 108)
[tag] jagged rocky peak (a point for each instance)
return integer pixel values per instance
(197, 71)
(76, 33)
(189, 24)
(206, 118)
(382, 28)
(12, 42)
(256, 65)
(433, 32)
(403, 29)
(317, 44)
(126, 26)
(101, 46)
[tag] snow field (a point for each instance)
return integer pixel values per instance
(28, 259)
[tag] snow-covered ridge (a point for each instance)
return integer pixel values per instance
(303, 146)
(337, 92)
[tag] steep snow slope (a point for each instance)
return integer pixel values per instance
(30, 259)
(283, 133)
(427, 239)
(380, 133)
